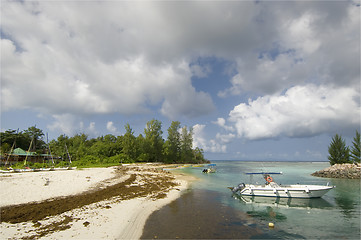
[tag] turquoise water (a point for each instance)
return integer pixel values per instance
(334, 216)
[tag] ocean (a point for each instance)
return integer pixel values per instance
(209, 210)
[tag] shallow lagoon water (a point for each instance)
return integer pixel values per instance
(222, 215)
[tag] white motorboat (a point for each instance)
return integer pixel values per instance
(272, 189)
(211, 168)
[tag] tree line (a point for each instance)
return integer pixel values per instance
(110, 149)
(340, 153)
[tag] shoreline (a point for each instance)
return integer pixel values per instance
(140, 190)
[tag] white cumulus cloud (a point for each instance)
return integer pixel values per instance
(298, 60)
(213, 145)
(302, 111)
(81, 65)
(70, 125)
(110, 127)
(222, 123)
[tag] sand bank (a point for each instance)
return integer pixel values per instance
(102, 203)
(17, 188)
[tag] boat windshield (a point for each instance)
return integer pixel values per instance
(266, 175)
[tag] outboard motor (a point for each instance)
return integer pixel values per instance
(240, 187)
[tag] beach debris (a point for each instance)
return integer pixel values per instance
(44, 229)
(271, 225)
(86, 223)
(154, 188)
(47, 181)
(36, 224)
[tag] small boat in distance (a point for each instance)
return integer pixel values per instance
(211, 168)
(272, 189)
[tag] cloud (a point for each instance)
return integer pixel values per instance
(127, 86)
(222, 123)
(201, 71)
(216, 145)
(313, 43)
(85, 66)
(69, 124)
(91, 130)
(225, 138)
(268, 75)
(110, 127)
(187, 103)
(199, 139)
(60, 60)
(64, 123)
(212, 145)
(301, 112)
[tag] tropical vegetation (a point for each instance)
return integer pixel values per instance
(109, 149)
(340, 153)
(355, 149)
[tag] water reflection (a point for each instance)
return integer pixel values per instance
(198, 214)
(268, 214)
(285, 202)
(347, 196)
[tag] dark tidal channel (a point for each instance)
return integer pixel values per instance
(199, 214)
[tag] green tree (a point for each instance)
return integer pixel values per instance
(355, 149)
(8, 140)
(36, 135)
(14, 139)
(79, 146)
(198, 155)
(57, 147)
(112, 146)
(186, 145)
(338, 151)
(5, 148)
(98, 149)
(153, 145)
(109, 149)
(172, 146)
(129, 143)
(104, 147)
(142, 156)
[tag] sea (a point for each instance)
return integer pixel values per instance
(209, 210)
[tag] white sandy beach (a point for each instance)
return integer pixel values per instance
(107, 219)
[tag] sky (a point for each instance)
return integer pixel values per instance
(257, 80)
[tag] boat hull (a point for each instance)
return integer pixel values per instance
(292, 191)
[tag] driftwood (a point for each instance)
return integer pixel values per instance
(346, 170)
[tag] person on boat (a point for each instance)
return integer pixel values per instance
(268, 178)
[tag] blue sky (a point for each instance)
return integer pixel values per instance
(257, 80)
